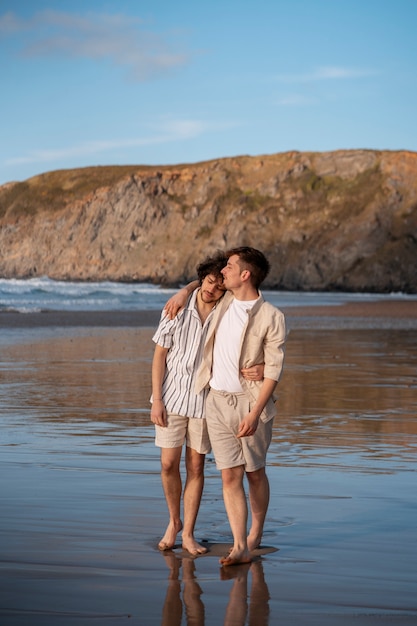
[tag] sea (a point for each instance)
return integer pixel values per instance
(43, 294)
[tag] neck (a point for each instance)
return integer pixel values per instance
(245, 292)
(203, 308)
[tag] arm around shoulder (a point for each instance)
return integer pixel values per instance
(179, 299)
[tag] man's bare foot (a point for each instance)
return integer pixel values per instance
(236, 557)
(192, 546)
(168, 540)
(253, 543)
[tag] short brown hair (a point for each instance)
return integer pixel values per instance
(254, 261)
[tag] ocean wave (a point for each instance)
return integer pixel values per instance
(43, 294)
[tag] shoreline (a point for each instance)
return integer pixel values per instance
(378, 310)
(140, 318)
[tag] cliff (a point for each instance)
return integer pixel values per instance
(344, 220)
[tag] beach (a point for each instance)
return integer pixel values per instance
(82, 507)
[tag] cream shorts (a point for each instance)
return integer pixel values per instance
(192, 430)
(224, 412)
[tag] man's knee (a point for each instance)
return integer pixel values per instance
(194, 463)
(170, 460)
(195, 469)
(257, 477)
(232, 476)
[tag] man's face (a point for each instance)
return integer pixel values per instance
(212, 288)
(231, 273)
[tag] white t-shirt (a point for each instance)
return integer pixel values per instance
(225, 374)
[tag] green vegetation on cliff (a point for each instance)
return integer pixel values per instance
(338, 220)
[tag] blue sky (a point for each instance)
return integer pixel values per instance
(164, 82)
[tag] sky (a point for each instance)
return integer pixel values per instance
(159, 82)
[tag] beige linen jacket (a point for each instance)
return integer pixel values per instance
(263, 341)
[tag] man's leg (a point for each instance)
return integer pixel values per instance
(194, 463)
(259, 501)
(171, 483)
(237, 512)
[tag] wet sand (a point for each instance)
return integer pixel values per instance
(383, 310)
(82, 507)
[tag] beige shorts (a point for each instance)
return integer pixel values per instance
(224, 412)
(192, 430)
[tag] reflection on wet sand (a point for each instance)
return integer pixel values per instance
(355, 390)
(83, 507)
(191, 593)
(349, 391)
(184, 594)
(100, 376)
(252, 605)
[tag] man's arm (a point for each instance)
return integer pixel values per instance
(158, 411)
(179, 299)
(273, 347)
(250, 422)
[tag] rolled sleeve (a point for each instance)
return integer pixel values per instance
(165, 332)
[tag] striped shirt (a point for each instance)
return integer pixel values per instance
(184, 337)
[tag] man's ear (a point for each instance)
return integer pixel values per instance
(245, 274)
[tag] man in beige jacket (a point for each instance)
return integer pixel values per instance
(246, 330)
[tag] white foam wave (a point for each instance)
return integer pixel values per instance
(36, 294)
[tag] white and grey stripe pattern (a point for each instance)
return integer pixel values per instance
(184, 337)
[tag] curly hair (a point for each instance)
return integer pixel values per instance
(212, 265)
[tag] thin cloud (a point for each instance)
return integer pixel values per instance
(175, 130)
(120, 39)
(10, 24)
(326, 73)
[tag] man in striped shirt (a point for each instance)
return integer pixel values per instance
(177, 411)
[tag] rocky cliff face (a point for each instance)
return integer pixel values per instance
(340, 220)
